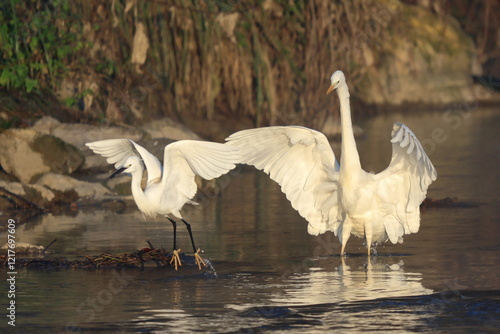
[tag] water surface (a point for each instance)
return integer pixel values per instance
(268, 274)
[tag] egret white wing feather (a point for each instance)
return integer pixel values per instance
(302, 162)
(118, 150)
(403, 185)
(187, 158)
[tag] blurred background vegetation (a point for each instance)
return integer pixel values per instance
(257, 61)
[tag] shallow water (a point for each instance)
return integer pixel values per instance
(268, 274)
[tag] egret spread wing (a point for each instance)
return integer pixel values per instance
(118, 150)
(186, 158)
(403, 185)
(302, 162)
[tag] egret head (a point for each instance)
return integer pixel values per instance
(131, 165)
(337, 79)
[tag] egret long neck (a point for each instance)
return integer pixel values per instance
(137, 192)
(349, 160)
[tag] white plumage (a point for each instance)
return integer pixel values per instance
(172, 185)
(344, 199)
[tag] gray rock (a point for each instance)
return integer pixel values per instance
(79, 134)
(167, 128)
(26, 153)
(32, 192)
(63, 183)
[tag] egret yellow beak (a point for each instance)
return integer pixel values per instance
(330, 89)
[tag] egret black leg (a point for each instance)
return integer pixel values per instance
(174, 224)
(199, 261)
(175, 253)
(188, 226)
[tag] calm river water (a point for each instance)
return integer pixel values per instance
(268, 275)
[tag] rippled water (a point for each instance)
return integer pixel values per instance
(268, 274)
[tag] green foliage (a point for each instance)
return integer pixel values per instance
(72, 101)
(37, 41)
(106, 67)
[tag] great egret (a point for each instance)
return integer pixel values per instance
(344, 199)
(172, 185)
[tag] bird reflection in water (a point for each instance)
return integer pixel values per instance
(351, 279)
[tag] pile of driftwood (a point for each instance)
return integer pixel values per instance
(145, 257)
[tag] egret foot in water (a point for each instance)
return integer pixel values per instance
(199, 260)
(176, 259)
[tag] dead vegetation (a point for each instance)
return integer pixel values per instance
(263, 61)
(266, 61)
(146, 257)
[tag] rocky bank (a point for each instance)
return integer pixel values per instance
(47, 167)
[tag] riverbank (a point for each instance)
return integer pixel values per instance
(261, 62)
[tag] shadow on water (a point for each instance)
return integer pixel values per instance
(268, 274)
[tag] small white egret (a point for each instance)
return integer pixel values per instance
(172, 185)
(344, 199)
